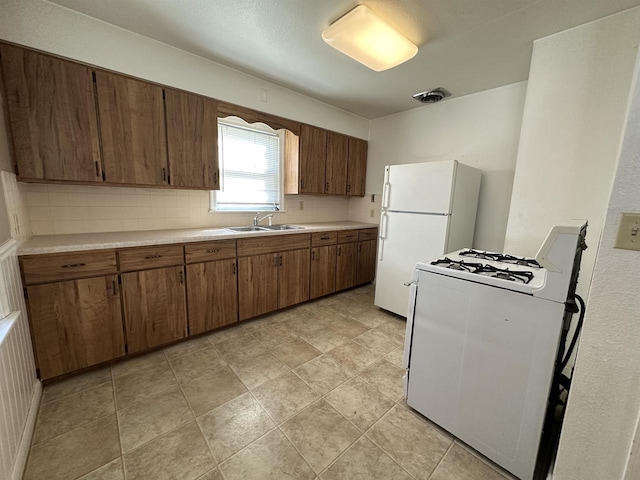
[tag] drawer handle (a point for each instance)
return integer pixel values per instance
(325, 238)
(215, 250)
(151, 257)
(73, 265)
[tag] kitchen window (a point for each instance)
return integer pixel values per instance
(250, 158)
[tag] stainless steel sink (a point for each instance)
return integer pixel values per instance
(283, 227)
(250, 228)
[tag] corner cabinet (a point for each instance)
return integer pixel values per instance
(52, 117)
(357, 167)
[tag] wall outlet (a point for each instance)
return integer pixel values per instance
(264, 94)
(629, 232)
(301, 205)
(372, 213)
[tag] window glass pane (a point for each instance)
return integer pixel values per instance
(250, 164)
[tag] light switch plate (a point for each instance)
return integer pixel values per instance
(629, 232)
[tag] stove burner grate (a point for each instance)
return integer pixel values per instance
(521, 276)
(455, 265)
(505, 274)
(501, 257)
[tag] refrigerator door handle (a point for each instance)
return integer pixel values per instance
(384, 220)
(386, 188)
(383, 235)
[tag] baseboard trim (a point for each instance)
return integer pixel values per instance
(27, 434)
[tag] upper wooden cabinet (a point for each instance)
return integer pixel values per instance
(132, 128)
(52, 115)
(336, 164)
(313, 151)
(192, 140)
(324, 162)
(357, 167)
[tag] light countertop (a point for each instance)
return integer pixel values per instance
(108, 240)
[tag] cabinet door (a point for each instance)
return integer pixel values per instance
(313, 153)
(336, 167)
(257, 285)
(366, 271)
(132, 128)
(323, 270)
(357, 167)
(75, 324)
(192, 140)
(154, 307)
(346, 265)
(212, 292)
(52, 113)
(293, 277)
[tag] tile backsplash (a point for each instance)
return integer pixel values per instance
(17, 209)
(60, 209)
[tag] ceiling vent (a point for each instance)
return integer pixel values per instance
(432, 96)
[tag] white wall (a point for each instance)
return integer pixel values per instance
(573, 116)
(49, 27)
(605, 397)
(480, 130)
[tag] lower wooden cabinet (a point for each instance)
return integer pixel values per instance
(76, 324)
(366, 270)
(272, 281)
(212, 293)
(79, 322)
(154, 307)
(346, 265)
(293, 277)
(323, 270)
(257, 285)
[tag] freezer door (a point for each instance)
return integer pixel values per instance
(419, 187)
(405, 239)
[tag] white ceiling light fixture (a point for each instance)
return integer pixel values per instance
(365, 37)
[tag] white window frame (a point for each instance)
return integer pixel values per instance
(258, 127)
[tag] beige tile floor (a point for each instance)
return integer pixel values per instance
(313, 392)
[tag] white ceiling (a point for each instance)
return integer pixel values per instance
(466, 46)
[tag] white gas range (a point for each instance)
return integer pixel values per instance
(482, 339)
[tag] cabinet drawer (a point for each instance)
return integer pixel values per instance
(324, 238)
(348, 236)
(66, 266)
(368, 234)
(150, 257)
(209, 251)
(279, 243)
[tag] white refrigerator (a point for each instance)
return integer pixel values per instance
(428, 209)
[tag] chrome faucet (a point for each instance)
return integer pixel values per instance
(256, 220)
